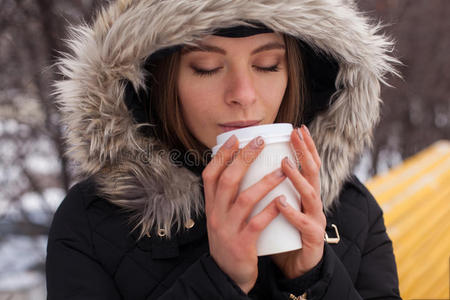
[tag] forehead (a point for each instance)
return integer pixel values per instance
(223, 45)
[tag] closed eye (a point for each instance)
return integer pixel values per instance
(201, 72)
(273, 68)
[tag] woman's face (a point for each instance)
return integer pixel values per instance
(231, 80)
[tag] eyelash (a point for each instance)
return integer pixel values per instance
(205, 73)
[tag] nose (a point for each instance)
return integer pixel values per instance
(240, 88)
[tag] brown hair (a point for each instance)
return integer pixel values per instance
(165, 108)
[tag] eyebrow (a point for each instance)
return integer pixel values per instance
(210, 48)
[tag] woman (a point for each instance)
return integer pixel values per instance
(148, 88)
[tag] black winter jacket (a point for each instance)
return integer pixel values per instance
(91, 255)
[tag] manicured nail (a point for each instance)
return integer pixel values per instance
(279, 173)
(300, 135)
(306, 129)
(230, 142)
(282, 200)
(289, 162)
(256, 143)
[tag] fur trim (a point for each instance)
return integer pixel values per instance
(102, 135)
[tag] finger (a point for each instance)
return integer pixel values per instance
(308, 165)
(309, 168)
(312, 230)
(215, 167)
(310, 144)
(310, 198)
(247, 199)
(229, 180)
(259, 222)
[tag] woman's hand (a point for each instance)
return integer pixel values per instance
(310, 221)
(232, 239)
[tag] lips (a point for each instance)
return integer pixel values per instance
(238, 124)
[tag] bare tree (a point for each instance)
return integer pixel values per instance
(31, 33)
(416, 112)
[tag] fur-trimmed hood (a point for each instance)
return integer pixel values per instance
(129, 167)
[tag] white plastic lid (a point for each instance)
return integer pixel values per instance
(271, 133)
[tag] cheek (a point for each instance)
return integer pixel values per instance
(197, 109)
(272, 92)
(194, 100)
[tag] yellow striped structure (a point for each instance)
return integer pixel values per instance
(415, 198)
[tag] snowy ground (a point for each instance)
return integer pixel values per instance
(19, 254)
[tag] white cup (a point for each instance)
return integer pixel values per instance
(279, 236)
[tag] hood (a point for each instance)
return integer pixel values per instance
(346, 57)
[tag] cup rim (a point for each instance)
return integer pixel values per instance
(271, 133)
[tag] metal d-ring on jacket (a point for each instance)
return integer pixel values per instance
(92, 251)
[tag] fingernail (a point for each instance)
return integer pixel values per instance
(300, 135)
(256, 143)
(230, 142)
(289, 162)
(279, 173)
(282, 201)
(306, 129)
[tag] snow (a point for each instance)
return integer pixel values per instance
(10, 126)
(20, 280)
(8, 150)
(18, 255)
(39, 209)
(54, 197)
(43, 164)
(387, 160)
(362, 168)
(33, 204)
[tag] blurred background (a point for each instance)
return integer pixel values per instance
(35, 176)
